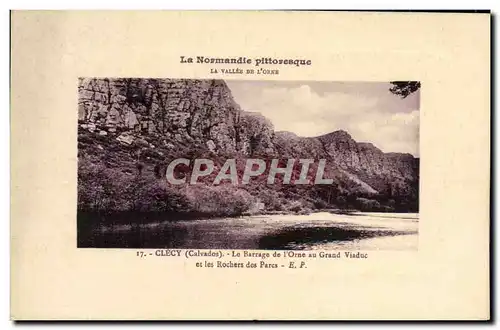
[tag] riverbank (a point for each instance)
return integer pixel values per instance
(94, 218)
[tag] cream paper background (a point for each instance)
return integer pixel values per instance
(446, 279)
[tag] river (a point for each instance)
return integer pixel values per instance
(322, 230)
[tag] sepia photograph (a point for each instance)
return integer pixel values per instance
(257, 165)
(248, 164)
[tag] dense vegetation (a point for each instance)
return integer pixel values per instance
(130, 179)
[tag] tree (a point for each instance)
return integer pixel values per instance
(404, 88)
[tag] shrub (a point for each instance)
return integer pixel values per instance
(105, 189)
(156, 196)
(320, 204)
(224, 200)
(365, 204)
(341, 201)
(295, 206)
(271, 200)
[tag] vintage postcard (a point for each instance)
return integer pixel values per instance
(250, 165)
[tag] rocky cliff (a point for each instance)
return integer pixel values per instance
(178, 110)
(122, 121)
(364, 164)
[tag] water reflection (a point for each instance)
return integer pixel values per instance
(284, 232)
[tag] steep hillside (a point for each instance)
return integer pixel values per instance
(129, 129)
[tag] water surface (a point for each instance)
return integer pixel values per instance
(367, 231)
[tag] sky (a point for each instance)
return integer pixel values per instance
(367, 110)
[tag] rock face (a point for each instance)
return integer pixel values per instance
(186, 113)
(361, 163)
(183, 110)
(255, 134)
